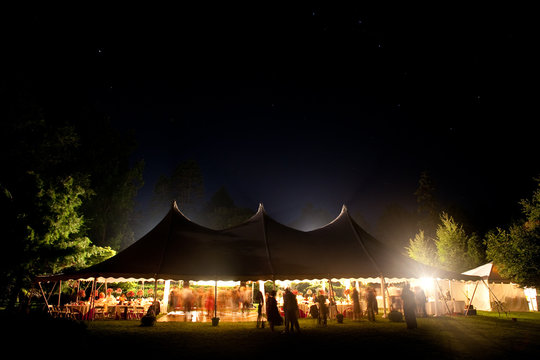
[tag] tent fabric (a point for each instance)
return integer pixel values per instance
(487, 272)
(258, 249)
(511, 295)
(494, 287)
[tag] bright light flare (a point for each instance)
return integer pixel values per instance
(427, 283)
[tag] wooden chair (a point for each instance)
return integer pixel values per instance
(139, 312)
(59, 312)
(130, 313)
(52, 311)
(99, 312)
(111, 312)
(74, 314)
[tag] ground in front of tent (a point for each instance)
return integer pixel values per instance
(485, 336)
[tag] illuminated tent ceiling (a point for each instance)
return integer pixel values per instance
(258, 249)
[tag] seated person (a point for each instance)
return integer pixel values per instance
(122, 298)
(101, 299)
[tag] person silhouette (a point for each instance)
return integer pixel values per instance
(290, 307)
(409, 306)
(272, 312)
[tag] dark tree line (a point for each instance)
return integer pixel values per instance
(67, 187)
(444, 241)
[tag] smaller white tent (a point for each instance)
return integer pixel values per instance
(494, 292)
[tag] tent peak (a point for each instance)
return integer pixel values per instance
(177, 209)
(343, 213)
(261, 208)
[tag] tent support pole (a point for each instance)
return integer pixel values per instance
(472, 298)
(51, 292)
(261, 289)
(44, 297)
(444, 297)
(91, 308)
(59, 292)
(332, 295)
(383, 285)
(498, 302)
(156, 302)
(215, 298)
(436, 296)
(166, 291)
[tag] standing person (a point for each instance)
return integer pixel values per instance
(371, 303)
(259, 300)
(187, 300)
(357, 310)
(409, 307)
(241, 298)
(323, 309)
(290, 307)
(235, 300)
(245, 298)
(420, 298)
(209, 303)
(272, 312)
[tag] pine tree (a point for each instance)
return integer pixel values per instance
(457, 251)
(423, 249)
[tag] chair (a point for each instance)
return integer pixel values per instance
(130, 313)
(59, 312)
(139, 312)
(75, 314)
(111, 312)
(99, 312)
(52, 311)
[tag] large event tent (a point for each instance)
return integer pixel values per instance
(258, 249)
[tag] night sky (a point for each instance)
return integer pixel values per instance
(315, 104)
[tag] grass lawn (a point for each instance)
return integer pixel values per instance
(485, 336)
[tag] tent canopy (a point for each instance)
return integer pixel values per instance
(487, 272)
(258, 249)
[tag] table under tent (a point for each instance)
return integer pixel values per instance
(261, 250)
